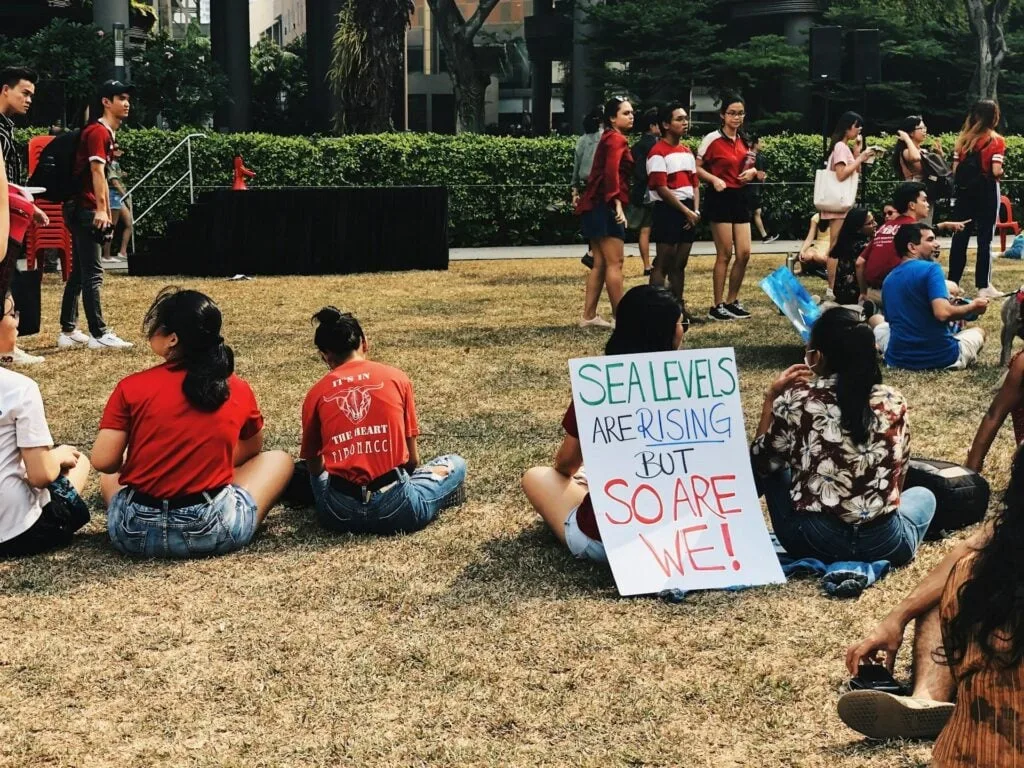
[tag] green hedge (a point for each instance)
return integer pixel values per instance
(504, 191)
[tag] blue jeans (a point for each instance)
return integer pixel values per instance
(408, 505)
(221, 524)
(827, 538)
(86, 278)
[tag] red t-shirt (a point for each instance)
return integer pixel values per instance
(357, 418)
(724, 157)
(673, 167)
(173, 448)
(992, 150)
(880, 255)
(95, 143)
(585, 517)
(610, 174)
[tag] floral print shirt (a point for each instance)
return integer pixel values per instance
(830, 473)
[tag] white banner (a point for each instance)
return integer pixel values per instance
(669, 471)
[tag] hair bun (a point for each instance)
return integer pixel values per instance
(328, 314)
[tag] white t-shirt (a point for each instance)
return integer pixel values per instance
(22, 425)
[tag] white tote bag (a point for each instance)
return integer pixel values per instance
(832, 195)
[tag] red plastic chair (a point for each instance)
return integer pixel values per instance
(55, 236)
(1008, 224)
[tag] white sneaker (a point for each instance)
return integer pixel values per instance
(21, 357)
(989, 292)
(595, 322)
(106, 263)
(72, 340)
(109, 340)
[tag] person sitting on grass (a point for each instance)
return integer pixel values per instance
(814, 250)
(40, 486)
(359, 432)
(917, 335)
(180, 444)
(857, 230)
(831, 453)
(968, 648)
(649, 320)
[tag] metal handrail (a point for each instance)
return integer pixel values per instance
(185, 142)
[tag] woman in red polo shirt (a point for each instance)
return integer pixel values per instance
(977, 168)
(725, 163)
(601, 208)
(649, 320)
(180, 443)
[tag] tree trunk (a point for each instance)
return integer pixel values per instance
(986, 19)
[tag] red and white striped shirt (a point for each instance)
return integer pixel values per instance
(671, 166)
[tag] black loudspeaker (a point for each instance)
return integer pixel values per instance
(826, 54)
(867, 56)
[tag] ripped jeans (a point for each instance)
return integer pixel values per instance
(408, 505)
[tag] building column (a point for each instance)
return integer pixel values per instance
(540, 79)
(321, 23)
(584, 93)
(229, 38)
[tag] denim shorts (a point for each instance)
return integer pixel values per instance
(221, 524)
(409, 504)
(600, 222)
(581, 545)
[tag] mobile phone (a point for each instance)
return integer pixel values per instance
(877, 150)
(875, 677)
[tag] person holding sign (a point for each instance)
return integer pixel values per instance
(649, 320)
(831, 453)
(600, 205)
(359, 433)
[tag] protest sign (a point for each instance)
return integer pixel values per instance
(669, 471)
(793, 300)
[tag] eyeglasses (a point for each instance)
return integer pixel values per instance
(13, 314)
(732, 113)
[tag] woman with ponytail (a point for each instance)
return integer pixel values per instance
(180, 444)
(831, 453)
(359, 432)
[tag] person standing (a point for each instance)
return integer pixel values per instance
(672, 180)
(583, 161)
(89, 221)
(601, 206)
(120, 210)
(17, 89)
(977, 167)
(640, 203)
(844, 163)
(722, 164)
(908, 157)
(755, 190)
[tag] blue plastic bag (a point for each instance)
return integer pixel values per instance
(1016, 249)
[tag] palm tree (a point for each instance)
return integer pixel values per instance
(366, 67)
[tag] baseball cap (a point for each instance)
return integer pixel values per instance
(112, 88)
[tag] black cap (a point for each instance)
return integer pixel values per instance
(112, 88)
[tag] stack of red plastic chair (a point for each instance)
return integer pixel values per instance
(54, 235)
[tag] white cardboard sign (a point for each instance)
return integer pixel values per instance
(669, 471)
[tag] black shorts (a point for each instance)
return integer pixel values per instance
(671, 226)
(600, 222)
(730, 206)
(64, 515)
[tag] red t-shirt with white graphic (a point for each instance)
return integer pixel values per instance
(671, 166)
(880, 257)
(357, 418)
(175, 449)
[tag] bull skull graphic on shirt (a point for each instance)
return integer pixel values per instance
(354, 402)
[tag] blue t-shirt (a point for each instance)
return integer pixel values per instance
(917, 341)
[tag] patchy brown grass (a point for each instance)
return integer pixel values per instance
(477, 641)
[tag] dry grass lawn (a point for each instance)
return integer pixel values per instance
(475, 642)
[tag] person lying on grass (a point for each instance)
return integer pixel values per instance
(968, 649)
(831, 453)
(40, 486)
(359, 432)
(180, 443)
(649, 320)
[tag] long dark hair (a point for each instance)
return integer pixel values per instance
(201, 351)
(644, 322)
(850, 233)
(908, 124)
(848, 346)
(990, 602)
(337, 333)
(845, 122)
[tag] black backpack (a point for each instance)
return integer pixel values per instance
(969, 175)
(938, 176)
(56, 168)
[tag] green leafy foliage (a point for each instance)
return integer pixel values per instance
(280, 87)
(502, 191)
